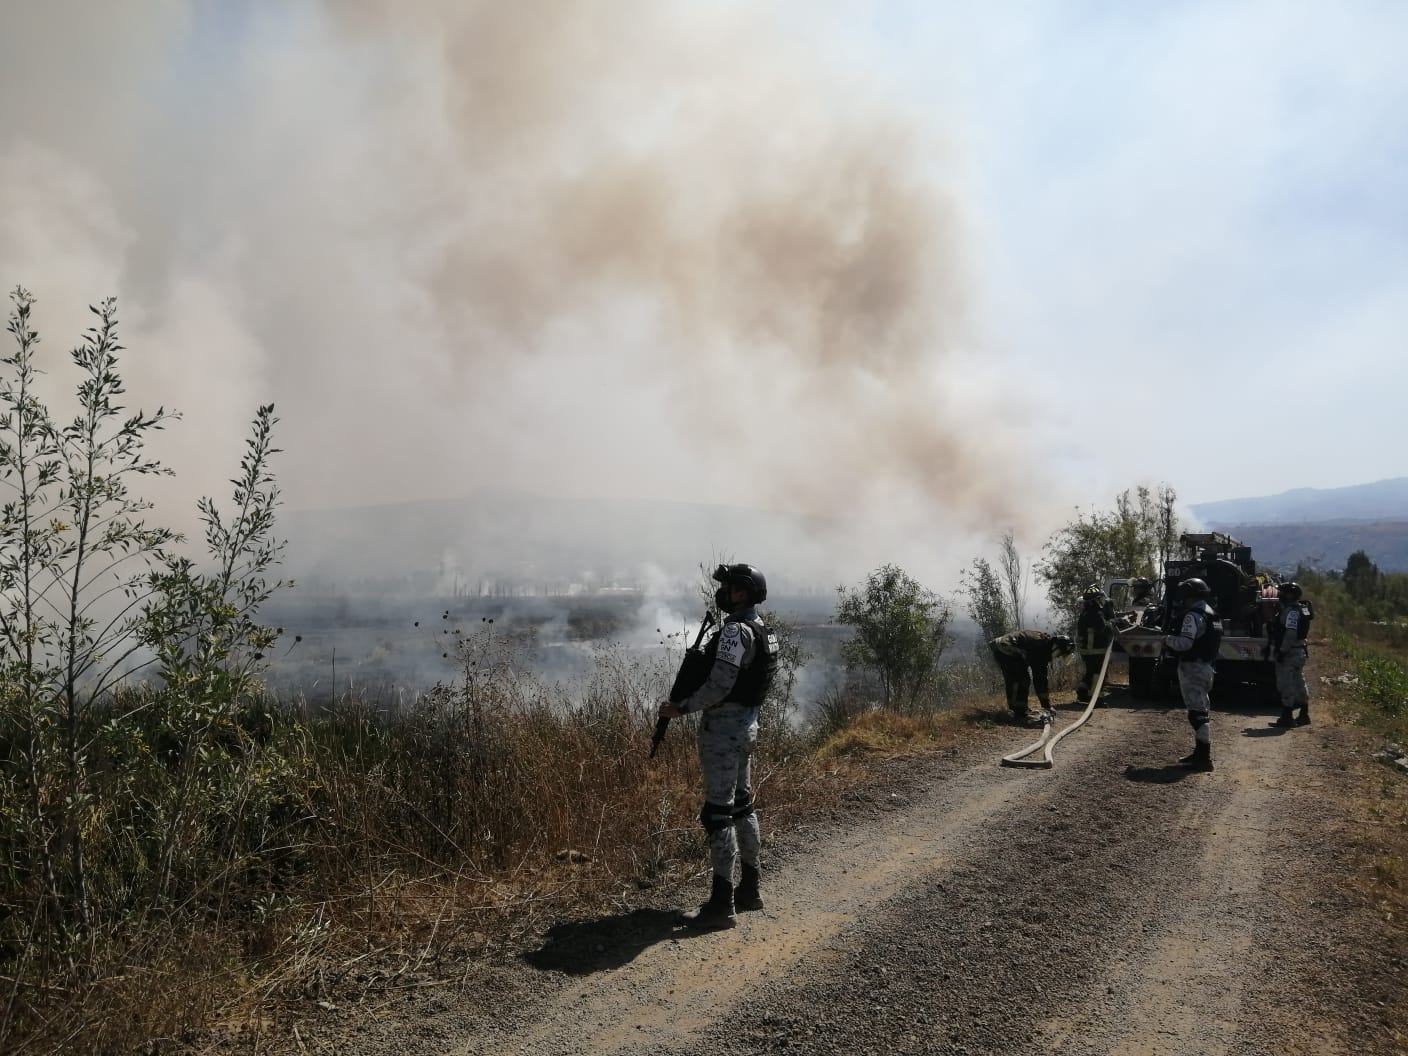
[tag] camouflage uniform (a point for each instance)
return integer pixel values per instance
(1195, 684)
(728, 734)
(1195, 675)
(1291, 654)
(1290, 679)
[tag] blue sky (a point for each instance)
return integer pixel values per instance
(1193, 218)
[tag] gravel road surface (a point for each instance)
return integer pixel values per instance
(1114, 904)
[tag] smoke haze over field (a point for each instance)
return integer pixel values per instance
(689, 251)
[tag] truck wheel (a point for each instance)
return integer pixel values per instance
(1141, 677)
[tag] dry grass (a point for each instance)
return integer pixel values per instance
(378, 847)
(1376, 837)
(882, 734)
(383, 850)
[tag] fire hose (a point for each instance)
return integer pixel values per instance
(1046, 743)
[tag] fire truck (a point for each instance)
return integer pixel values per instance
(1243, 599)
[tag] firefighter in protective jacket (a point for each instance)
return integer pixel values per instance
(1023, 657)
(744, 662)
(1095, 627)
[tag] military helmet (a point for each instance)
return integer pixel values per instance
(1195, 588)
(744, 577)
(1289, 591)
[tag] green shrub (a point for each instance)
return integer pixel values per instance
(901, 631)
(1383, 685)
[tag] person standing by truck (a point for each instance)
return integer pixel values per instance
(1196, 643)
(1286, 637)
(1095, 627)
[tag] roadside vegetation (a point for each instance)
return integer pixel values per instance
(178, 847)
(1365, 615)
(1363, 624)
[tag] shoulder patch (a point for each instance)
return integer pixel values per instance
(731, 647)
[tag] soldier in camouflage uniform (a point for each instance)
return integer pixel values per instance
(1196, 643)
(745, 655)
(1287, 637)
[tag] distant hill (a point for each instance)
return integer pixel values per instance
(1319, 527)
(1383, 500)
(1325, 545)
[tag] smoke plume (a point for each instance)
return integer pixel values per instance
(646, 249)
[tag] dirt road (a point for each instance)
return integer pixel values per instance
(1114, 904)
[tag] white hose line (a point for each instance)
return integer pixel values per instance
(1048, 742)
(1017, 758)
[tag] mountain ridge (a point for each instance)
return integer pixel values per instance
(1380, 500)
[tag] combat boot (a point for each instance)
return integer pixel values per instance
(715, 914)
(1285, 719)
(1303, 719)
(1201, 759)
(745, 895)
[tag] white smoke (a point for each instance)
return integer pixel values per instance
(660, 250)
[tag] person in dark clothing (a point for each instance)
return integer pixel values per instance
(1094, 629)
(1023, 657)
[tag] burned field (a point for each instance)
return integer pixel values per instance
(387, 650)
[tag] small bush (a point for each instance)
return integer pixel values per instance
(840, 704)
(901, 632)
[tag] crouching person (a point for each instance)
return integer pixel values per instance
(1023, 657)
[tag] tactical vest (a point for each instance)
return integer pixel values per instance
(1206, 645)
(1278, 628)
(756, 678)
(1307, 613)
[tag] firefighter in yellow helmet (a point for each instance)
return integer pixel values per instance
(1095, 627)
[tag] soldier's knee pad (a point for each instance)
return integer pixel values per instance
(1197, 718)
(715, 817)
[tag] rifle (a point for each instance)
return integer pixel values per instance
(694, 669)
